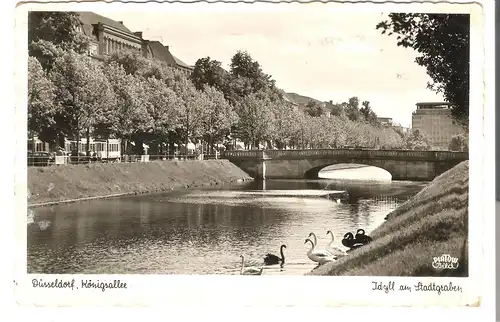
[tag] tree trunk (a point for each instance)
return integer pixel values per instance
(78, 146)
(171, 146)
(211, 145)
(187, 132)
(87, 148)
(33, 147)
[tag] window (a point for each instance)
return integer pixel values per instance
(113, 147)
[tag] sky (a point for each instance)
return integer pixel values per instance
(310, 50)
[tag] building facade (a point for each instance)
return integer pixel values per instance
(434, 120)
(109, 36)
(386, 121)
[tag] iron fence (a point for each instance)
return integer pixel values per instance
(51, 160)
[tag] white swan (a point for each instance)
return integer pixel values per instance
(315, 243)
(335, 251)
(319, 256)
(249, 270)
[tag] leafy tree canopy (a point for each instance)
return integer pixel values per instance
(208, 72)
(243, 65)
(41, 98)
(416, 140)
(368, 113)
(314, 109)
(459, 143)
(443, 42)
(50, 33)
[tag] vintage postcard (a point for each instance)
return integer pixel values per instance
(327, 149)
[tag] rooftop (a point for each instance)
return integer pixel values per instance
(181, 63)
(162, 53)
(433, 105)
(90, 18)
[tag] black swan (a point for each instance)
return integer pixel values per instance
(362, 238)
(349, 241)
(271, 259)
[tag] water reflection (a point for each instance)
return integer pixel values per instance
(356, 172)
(204, 231)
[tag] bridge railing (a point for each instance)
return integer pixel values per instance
(349, 153)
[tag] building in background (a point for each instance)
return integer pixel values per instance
(289, 101)
(156, 50)
(435, 121)
(109, 36)
(386, 121)
(401, 129)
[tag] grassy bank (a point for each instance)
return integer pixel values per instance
(432, 223)
(73, 182)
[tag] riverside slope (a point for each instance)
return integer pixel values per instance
(58, 184)
(432, 223)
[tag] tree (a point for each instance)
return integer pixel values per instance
(459, 143)
(237, 88)
(416, 140)
(83, 92)
(242, 65)
(130, 115)
(163, 110)
(191, 110)
(51, 33)
(443, 42)
(208, 72)
(285, 123)
(389, 138)
(368, 113)
(131, 61)
(314, 109)
(338, 131)
(336, 109)
(351, 109)
(41, 99)
(218, 116)
(255, 119)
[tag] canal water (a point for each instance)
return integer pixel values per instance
(205, 231)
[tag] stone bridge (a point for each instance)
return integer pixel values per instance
(305, 164)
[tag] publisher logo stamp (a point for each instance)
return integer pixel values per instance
(445, 261)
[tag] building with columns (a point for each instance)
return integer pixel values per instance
(110, 36)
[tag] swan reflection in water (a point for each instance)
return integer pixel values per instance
(249, 270)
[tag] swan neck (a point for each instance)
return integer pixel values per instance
(312, 247)
(315, 239)
(333, 238)
(282, 254)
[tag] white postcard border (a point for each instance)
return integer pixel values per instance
(178, 291)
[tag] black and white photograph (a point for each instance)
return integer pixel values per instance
(245, 139)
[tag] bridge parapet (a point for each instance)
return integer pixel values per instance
(347, 153)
